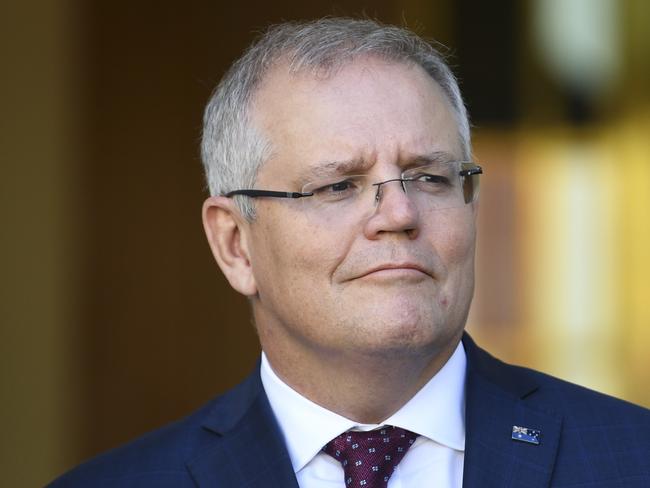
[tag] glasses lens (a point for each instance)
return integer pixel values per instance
(336, 190)
(470, 181)
(441, 186)
(431, 187)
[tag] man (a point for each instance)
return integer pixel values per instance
(343, 206)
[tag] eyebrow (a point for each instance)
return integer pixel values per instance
(343, 167)
(432, 157)
(360, 166)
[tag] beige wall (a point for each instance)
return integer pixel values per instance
(39, 368)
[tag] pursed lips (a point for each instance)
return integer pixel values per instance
(396, 267)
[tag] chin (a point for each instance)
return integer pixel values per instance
(404, 330)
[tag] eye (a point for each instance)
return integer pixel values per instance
(338, 190)
(340, 186)
(432, 179)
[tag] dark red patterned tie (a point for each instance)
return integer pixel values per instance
(369, 458)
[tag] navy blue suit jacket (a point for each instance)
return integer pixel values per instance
(586, 439)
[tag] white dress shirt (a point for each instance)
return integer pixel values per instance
(436, 413)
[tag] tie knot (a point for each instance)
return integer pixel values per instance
(369, 458)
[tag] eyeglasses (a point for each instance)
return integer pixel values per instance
(435, 186)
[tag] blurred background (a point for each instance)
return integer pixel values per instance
(114, 318)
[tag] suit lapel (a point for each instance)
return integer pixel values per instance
(499, 397)
(248, 449)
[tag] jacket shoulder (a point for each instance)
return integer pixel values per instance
(606, 437)
(577, 404)
(158, 458)
(601, 440)
(573, 402)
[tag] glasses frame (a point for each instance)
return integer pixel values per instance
(255, 193)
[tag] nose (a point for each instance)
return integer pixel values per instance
(380, 187)
(395, 211)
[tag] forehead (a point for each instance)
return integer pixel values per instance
(369, 111)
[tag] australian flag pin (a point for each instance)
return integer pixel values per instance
(525, 434)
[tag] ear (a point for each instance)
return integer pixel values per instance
(227, 232)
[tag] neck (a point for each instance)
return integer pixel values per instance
(364, 387)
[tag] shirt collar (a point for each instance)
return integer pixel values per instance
(436, 411)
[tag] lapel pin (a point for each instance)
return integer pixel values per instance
(525, 434)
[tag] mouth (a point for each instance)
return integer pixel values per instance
(395, 271)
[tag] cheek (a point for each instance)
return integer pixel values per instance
(293, 268)
(298, 249)
(453, 235)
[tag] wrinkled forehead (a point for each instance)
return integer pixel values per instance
(357, 105)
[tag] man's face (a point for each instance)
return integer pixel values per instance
(398, 279)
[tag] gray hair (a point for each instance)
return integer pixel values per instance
(233, 149)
